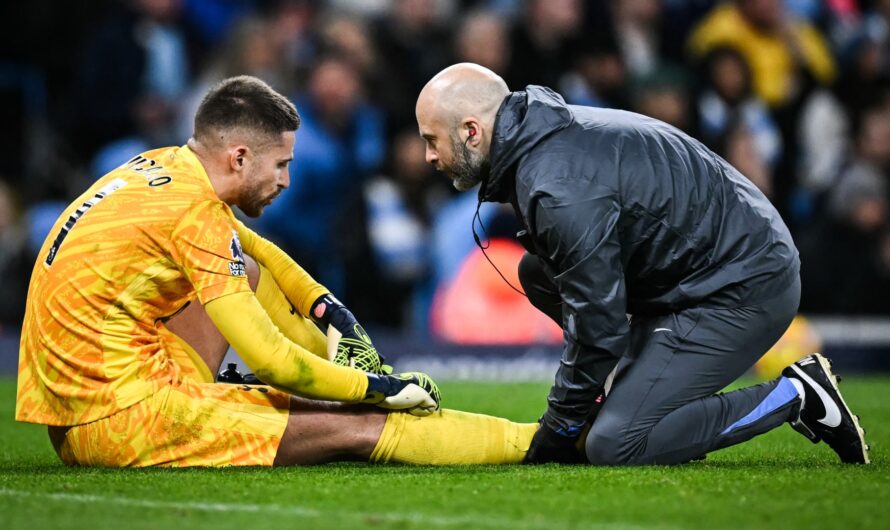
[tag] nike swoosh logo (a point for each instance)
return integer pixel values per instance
(656, 330)
(832, 412)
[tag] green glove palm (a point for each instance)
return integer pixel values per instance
(357, 350)
(354, 346)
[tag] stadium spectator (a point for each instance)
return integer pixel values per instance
(598, 78)
(251, 48)
(677, 21)
(873, 138)
(136, 59)
(153, 124)
(14, 261)
(825, 119)
(738, 146)
(785, 54)
(727, 98)
(878, 23)
(788, 57)
(544, 41)
(414, 44)
(844, 258)
(823, 142)
(293, 28)
(482, 38)
(388, 253)
(638, 32)
(362, 8)
(865, 61)
(663, 94)
(213, 19)
(341, 143)
(350, 38)
(40, 213)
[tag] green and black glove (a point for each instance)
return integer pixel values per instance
(354, 347)
(415, 392)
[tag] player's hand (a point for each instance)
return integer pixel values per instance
(549, 446)
(355, 349)
(412, 391)
(354, 346)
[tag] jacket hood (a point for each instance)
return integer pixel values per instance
(524, 119)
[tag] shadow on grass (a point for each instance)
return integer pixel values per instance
(789, 464)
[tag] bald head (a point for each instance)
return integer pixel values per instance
(463, 89)
(455, 113)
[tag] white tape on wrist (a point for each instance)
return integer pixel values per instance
(334, 337)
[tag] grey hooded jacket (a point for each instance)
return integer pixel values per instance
(633, 217)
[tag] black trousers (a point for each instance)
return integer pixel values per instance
(663, 406)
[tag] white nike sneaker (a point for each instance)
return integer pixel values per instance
(823, 413)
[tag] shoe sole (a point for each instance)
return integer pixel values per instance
(833, 379)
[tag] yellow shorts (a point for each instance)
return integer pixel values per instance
(185, 424)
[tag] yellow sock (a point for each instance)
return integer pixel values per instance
(294, 326)
(452, 437)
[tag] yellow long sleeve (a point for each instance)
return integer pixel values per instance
(297, 328)
(278, 361)
(299, 287)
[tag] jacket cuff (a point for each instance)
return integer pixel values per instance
(570, 427)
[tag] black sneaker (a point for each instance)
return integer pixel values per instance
(823, 414)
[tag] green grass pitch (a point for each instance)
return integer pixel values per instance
(779, 480)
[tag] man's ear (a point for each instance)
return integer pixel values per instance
(236, 157)
(471, 131)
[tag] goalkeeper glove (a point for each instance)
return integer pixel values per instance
(413, 391)
(354, 348)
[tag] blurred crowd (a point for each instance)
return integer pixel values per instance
(795, 93)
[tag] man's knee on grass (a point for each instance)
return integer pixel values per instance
(609, 443)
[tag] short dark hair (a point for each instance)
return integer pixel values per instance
(245, 102)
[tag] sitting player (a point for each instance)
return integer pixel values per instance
(143, 284)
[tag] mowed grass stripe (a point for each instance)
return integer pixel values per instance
(474, 521)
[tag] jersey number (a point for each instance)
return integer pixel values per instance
(69, 224)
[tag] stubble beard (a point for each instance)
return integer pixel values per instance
(254, 201)
(468, 166)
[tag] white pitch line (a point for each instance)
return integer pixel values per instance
(473, 521)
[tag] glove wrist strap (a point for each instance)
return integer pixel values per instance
(380, 387)
(327, 310)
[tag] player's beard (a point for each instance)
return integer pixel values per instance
(254, 200)
(468, 166)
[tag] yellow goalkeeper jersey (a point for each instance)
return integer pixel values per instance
(129, 253)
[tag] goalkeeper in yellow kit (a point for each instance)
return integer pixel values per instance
(147, 278)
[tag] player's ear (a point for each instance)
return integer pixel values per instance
(237, 157)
